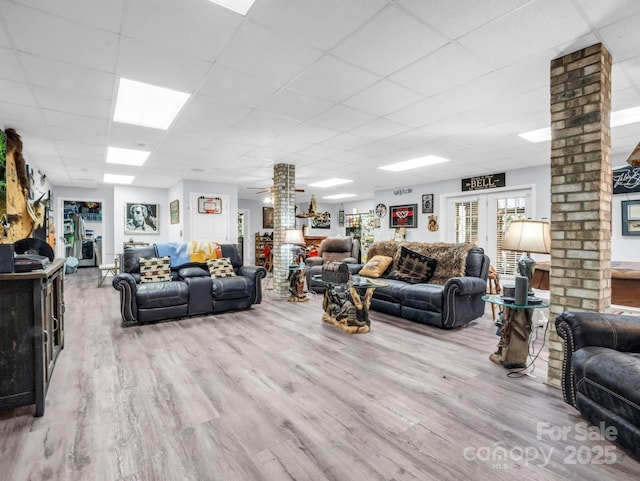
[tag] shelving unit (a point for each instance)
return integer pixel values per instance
(262, 240)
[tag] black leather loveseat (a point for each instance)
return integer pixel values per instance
(191, 290)
(601, 372)
(453, 295)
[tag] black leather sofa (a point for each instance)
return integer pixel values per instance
(601, 372)
(190, 292)
(454, 296)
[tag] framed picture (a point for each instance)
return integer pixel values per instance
(403, 216)
(174, 211)
(267, 217)
(140, 218)
(631, 217)
(427, 203)
(209, 205)
(322, 220)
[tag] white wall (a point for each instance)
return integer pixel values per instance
(623, 248)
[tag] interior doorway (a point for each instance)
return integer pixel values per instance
(244, 239)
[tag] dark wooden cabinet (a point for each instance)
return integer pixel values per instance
(31, 334)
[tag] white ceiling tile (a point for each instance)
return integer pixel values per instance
(199, 29)
(346, 141)
(341, 117)
(333, 79)
(11, 69)
(263, 53)
(226, 86)
(64, 40)
(459, 17)
(383, 98)
(312, 133)
(445, 68)
(59, 100)
(16, 92)
(206, 115)
(602, 13)
(623, 37)
(267, 124)
(388, 42)
(295, 105)
(78, 80)
(379, 129)
(104, 15)
(148, 63)
(318, 24)
(526, 31)
(420, 113)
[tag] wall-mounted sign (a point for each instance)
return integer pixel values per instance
(481, 182)
(626, 179)
(407, 190)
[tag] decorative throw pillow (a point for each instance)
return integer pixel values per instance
(155, 269)
(376, 266)
(220, 268)
(413, 267)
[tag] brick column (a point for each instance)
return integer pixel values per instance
(284, 217)
(581, 190)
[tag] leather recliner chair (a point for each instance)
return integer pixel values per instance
(341, 249)
(601, 371)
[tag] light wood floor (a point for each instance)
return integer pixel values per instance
(272, 393)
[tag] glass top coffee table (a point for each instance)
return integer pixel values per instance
(346, 304)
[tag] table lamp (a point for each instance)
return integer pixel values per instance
(294, 237)
(527, 236)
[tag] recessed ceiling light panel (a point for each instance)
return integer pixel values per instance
(238, 6)
(338, 196)
(414, 163)
(117, 179)
(116, 155)
(537, 136)
(147, 105)
(330, 183)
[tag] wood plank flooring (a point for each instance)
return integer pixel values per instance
(273, 394)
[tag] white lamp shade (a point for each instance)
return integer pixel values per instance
(294, 236)
(528, 236)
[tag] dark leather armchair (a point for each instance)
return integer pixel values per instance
(601, 371)
(341, 249)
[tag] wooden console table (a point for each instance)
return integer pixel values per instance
(31, 334)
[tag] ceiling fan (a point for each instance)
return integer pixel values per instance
(262, 190)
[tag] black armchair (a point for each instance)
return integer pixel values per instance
(601, 371)
(341, 249)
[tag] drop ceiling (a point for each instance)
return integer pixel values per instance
(335, 87)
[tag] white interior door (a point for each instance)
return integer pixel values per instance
(484, 217)
(209, 227)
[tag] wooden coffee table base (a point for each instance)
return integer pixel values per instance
(349, 312)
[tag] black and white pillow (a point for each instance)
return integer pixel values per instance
(413, 267)
(155, 269)
(220, 268)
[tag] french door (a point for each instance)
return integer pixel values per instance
(483, 219)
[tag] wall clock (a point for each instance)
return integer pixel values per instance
(381, 210)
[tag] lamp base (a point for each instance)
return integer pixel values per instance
(526, 268)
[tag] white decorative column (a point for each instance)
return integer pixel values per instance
(284, 217)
